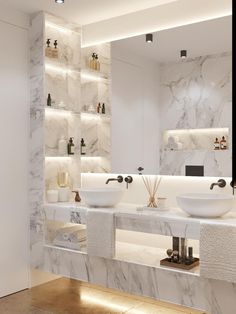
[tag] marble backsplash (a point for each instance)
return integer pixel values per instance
(196, 94)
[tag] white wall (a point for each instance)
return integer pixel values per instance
(135, 112)
(14, 129)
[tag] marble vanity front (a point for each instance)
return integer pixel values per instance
(135, 268)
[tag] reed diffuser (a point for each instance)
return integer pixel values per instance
(152, 187)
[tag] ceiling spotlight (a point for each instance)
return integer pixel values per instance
(59, 1)
(149, 38)
(183, 54)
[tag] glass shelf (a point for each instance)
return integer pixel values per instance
(88, 75)
(94, 115)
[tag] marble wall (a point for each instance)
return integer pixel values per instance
(61, 78)
(195, 94)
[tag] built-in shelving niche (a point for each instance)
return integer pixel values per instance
(62, 82)
(194, 139)
(96, 128)
(196, 147)
(73, 88)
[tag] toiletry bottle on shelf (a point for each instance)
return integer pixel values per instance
(55, 50)
(99, 108)
(223, 143)
(48, 49)
(103, 108)
(216, 144)
(62, 146)
(49, 100)
(92, 63)
(97, 63)
(71, 147)
(82, 147)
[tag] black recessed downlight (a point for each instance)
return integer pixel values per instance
(59, 1)
(183, 54)
(149, 38)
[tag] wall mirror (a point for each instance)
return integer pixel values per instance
(170, 113)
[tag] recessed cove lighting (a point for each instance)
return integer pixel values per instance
(59, 1)
(183, 54)
(149, 38)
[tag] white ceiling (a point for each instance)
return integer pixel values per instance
(199, 39)
(84, 11)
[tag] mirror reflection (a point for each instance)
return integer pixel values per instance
(172, 101)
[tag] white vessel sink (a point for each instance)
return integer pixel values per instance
(205, 205)
(101, 197)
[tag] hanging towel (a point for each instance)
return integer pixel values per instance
(218, 251)
(101, 232)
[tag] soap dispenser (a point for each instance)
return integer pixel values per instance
(48, 49)
(55, 50)
(97, 63)
(92, 63)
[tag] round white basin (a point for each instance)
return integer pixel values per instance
(205, 205)
(101, 197)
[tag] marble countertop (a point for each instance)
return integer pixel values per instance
(172, 222)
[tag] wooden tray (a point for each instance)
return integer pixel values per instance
(165, 262)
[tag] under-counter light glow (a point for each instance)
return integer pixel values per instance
(57, 112)
(91, 157)
(90, 299)
(90, 116)
(59, 1)
(206, 130)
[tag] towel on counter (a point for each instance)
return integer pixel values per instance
(218, 251)
(101, 232)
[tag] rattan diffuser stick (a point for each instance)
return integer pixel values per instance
(152, 188)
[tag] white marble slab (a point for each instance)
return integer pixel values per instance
(173, 222)
(178, 287)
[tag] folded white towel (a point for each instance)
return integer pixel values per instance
(101, 232)
(218, 251)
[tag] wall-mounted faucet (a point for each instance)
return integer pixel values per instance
(221, 184)
(128, 180)
(118, 179)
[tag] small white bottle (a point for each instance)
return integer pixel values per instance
(62, 146)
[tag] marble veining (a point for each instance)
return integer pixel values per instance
(197, 93)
